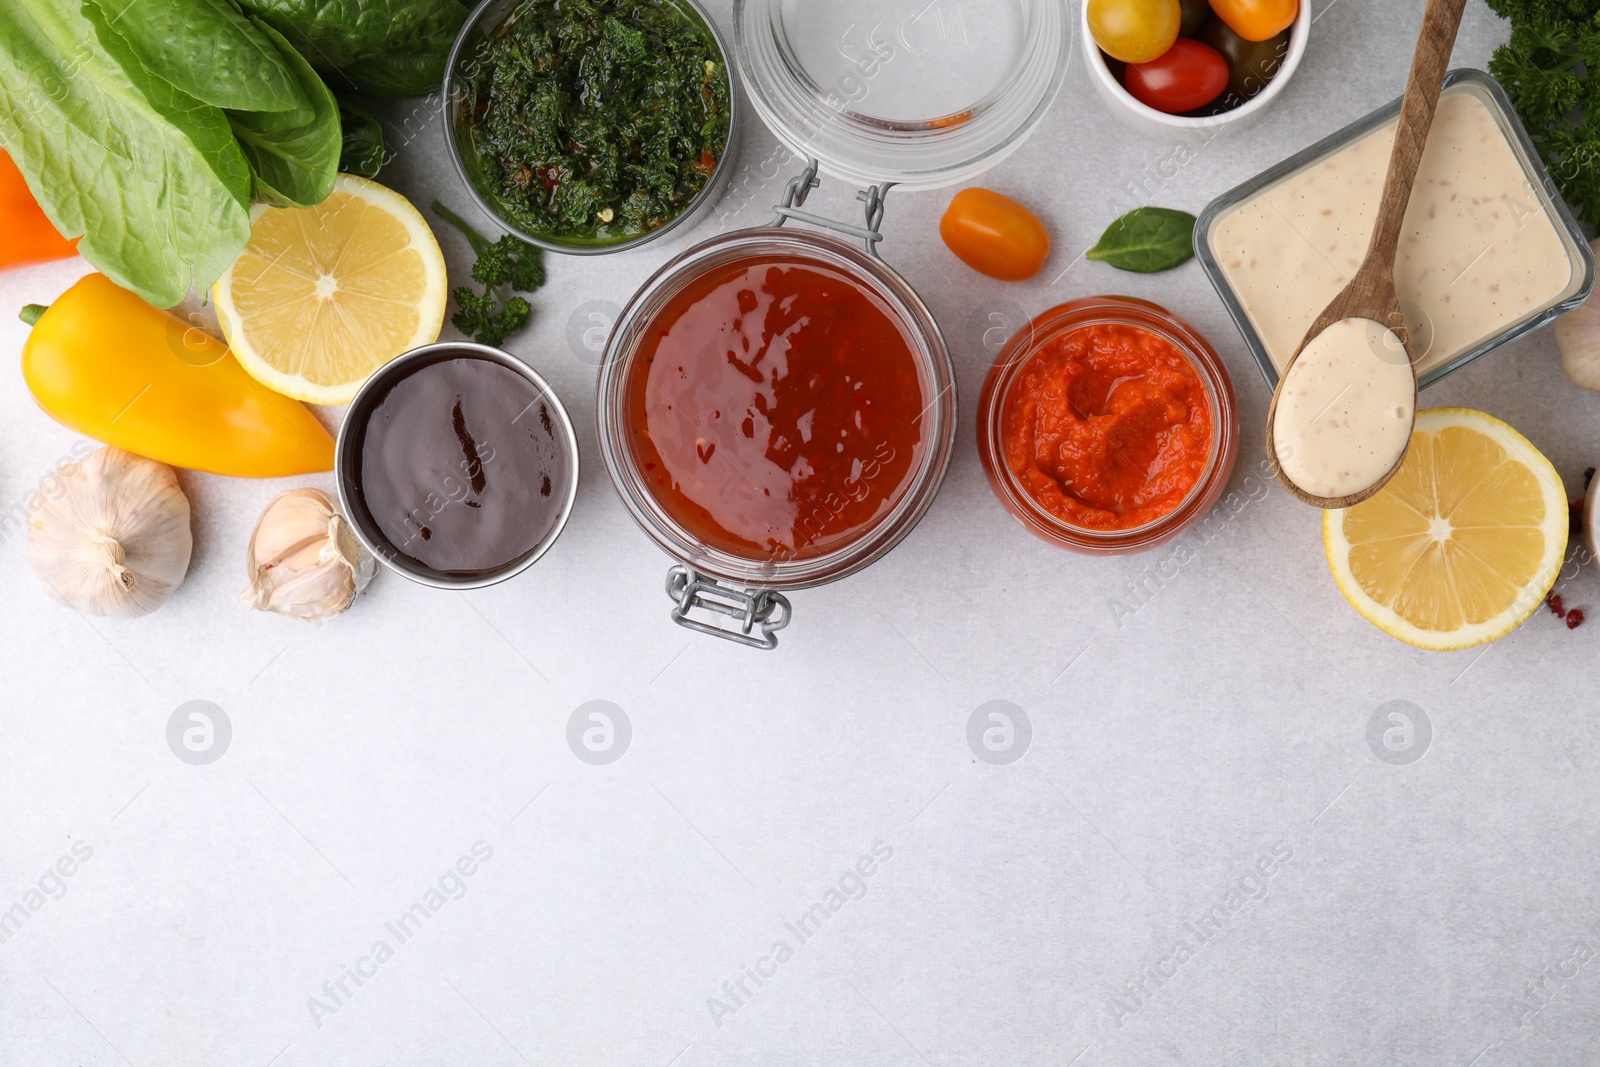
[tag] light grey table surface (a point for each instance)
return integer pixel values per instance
(1441, 911)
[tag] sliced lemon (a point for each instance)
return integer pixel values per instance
(323, 296)
(1462, 544)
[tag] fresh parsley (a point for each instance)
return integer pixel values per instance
(1551, 70)
(504, 268)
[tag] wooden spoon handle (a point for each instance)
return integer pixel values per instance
(1439, 25)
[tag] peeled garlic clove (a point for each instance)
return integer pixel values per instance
(113, 538)
(1578, 337)
(303, 560)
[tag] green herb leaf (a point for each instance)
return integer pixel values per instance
(1147, 240)
(507, 266)
(207, 49)
(295, 162)
(385, 48)
(151, 177)
(362, 152)
(1548, 68)
(396, 74)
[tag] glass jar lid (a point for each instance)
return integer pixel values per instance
(922, 93)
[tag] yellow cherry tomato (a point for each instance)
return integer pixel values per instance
(1135, 31)
(995, 235)
(1257, 20)
(105, 363)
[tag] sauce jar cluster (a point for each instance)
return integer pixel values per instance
(1108, 425)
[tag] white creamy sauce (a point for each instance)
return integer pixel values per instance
(1479, 252)
(1345, 413)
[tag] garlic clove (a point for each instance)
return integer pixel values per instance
(302, 559)
(112, 537)
(1578, 337)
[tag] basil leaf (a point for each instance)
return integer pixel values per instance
(151, 177)
(207, 49)
(362, 151)
(295, 161)
(1147, 240)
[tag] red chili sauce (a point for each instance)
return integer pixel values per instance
(776, 408)
(1108, 427)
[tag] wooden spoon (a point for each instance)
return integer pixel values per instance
(1371, 294)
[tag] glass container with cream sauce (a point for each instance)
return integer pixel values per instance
(1488, 254)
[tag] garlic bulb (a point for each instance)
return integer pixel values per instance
(114, 538)
(1578, 337)
(303, 559)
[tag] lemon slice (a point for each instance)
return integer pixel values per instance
(1462, 544)
(323, 296)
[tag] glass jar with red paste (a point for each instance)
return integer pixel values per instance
(1108, 425)
(776, 409)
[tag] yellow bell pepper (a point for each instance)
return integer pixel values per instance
(103, 362)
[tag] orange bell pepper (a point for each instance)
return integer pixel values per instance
(105, 363)
(26, 234)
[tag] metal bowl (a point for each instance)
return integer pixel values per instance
(352, 434)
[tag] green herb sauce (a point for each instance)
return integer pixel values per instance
(595, 121)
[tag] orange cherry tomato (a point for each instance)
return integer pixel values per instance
(1257, 20)
(1135, 31)
(26, 235)
(995, 235)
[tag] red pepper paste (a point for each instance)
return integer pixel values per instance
(776, 408)
(1108, 427)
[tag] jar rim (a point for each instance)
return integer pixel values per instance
(934, 367)
(1062, 321)
(926, 153)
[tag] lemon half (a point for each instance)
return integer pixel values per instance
(323, 296)
(1463, 543)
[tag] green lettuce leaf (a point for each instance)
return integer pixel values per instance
(150, 177)
(295, 160)
(208, 49)
(387, 48)
(363, 141)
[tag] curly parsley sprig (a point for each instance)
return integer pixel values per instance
(1551, 70)
(504, 268)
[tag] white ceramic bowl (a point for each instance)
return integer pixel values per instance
(1165, 127)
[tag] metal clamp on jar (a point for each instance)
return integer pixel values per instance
(776, 405)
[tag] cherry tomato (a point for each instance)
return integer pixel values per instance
(1257, 20)
(995, 235)
(1134, 31)
(1190, 75)
(1251, 64)
(1195, 13)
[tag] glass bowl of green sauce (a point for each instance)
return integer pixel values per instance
(590, 126)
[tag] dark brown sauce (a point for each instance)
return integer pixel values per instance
(463, 470)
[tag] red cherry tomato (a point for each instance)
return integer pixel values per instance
(1188, 76)
(995, 235)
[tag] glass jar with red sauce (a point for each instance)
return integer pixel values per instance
(777, 405)
(777, 410)
(1108, 425)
